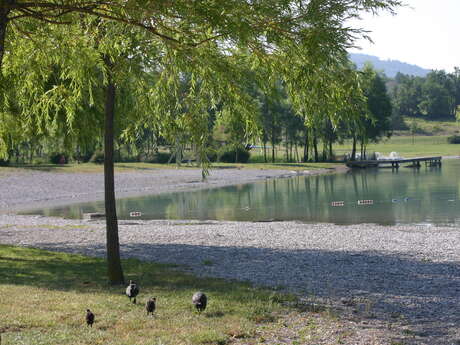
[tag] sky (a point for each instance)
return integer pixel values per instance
(424, 33)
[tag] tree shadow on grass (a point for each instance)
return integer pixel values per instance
(60, 270)
(41, 167)
(425, 293)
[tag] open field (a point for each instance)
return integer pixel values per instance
(406, 146)
(430, 127)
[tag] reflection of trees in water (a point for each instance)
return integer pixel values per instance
(309, 199)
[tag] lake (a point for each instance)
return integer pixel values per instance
(405, 196)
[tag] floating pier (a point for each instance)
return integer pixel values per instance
(395, 163)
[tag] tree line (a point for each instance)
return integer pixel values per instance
(274, 123)
(436, 96)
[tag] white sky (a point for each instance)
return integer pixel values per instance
(425, 33)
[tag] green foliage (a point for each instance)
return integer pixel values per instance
(230, 154)
(379, 105)
(435, 96)
(59, 158)
(415, 128)
(168, 70)
(97, 157)
(162, 157)
(174, 77)
(454, 139)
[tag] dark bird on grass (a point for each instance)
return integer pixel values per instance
(200, 300)
(150, 305)
(89, 318)
(132, 291)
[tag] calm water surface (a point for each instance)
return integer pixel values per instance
(425, 195)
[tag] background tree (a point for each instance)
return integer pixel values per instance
(376, 123)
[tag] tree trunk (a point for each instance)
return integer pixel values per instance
(286, 146)
(315, 148)
(265, 151)
(31, 153)
(115, 272)
(330, 151)
(3, 24)
(353, 150)
(305, 147)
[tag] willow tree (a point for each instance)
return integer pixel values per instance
(209, 40)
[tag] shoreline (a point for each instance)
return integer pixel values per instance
(30, 190)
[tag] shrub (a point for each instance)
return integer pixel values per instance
(83, 157)
(228, 154)
(213, 154)
(454, 139)
(4, 162)
(97, 157)
(162, 158)
(127, 159)
(58, 158)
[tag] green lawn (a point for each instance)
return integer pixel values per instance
(45, 296)
(430, 127)
(126, 167)
(408, 146)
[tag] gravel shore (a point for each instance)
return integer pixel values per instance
(27, 189)
(400, 276)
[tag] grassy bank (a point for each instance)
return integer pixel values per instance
(444, 127)
(45, 296)
(130, 167)
(408, 146)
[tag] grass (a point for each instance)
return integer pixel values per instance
(431, 127)
(45, 296)
(407, 146)
(129, 167)
(88, 167)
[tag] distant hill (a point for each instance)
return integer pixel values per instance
(390, 67)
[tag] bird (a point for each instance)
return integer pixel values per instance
(132, 291)
(200, 300)
(150, 305)
(89, 318)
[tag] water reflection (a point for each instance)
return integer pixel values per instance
(407, 195)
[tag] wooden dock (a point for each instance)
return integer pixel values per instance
(395, 163)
